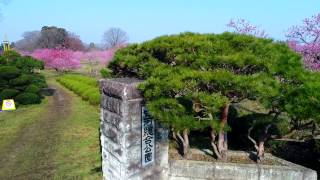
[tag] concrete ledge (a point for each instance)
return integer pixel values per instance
(187, 170)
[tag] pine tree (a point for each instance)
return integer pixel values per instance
(192, 79)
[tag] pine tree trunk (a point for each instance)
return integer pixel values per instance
(223, 142)
(184, 142)
(260, 152)
(213, 144)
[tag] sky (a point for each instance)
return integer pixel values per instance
(145, 19)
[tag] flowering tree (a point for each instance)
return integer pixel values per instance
(58, 59)
(101, 57)
(305, 39)
(66, 59)
(95, 58)
(243, 26)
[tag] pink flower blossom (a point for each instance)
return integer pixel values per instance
(305, 39)
(58, 59)
(244, 27)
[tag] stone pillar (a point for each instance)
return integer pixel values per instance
(121, 134)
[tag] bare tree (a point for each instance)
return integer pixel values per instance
(29, 41)
(114, 37)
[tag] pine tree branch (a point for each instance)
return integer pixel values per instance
(251, 139)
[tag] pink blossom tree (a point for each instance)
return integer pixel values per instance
(243, 26)
(305, 39)
(58, 59)
(94, 59)
(103, 57)
(66, 59)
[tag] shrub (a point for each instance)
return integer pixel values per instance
(32, 89)
(16, 75)
(28, 64)
(105, 73)
(85, 87)
(3, 82)
(92, 95)
(8, 93)
(80, 78)
(21, 80)
(38, 80)
(9, 72)
(94, 98)
(28, 98)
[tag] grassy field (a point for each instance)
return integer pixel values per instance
(78, 154)
(57, 139)
(12, 122)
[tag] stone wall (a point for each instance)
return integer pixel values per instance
(121, 105)
(189, 170)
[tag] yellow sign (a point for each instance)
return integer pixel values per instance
(8, 105)
(6, 44)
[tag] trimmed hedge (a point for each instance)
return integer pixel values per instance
(21, 80)
(33, 89)
(83, 79)
(9, 72)
(8, 93)
(28, 98)
(83, 86)
(18, 79)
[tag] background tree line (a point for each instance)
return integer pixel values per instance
(51, 37)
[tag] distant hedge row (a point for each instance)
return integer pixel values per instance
(84, 86)
(19, 79)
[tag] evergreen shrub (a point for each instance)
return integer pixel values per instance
(28, 98)
(18, 79)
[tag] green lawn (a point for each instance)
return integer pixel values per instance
(78, 154)
(11, 122)
(73, 152)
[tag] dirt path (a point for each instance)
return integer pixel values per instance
(30, 156)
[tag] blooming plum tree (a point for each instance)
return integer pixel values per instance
(243, 26)
(58, 59)
(305, 39)
(94, 58)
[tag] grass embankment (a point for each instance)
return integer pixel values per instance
(84, 86)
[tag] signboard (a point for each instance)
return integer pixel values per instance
(147, 138)
(8, 105)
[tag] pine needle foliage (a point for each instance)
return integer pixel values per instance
(190, 77)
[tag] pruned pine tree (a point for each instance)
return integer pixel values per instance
(192, 79)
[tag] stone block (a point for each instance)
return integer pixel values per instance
(122, 88)
(121, 130)
(111, 132)
(133, 154)
(113, 119)
(112, 104)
